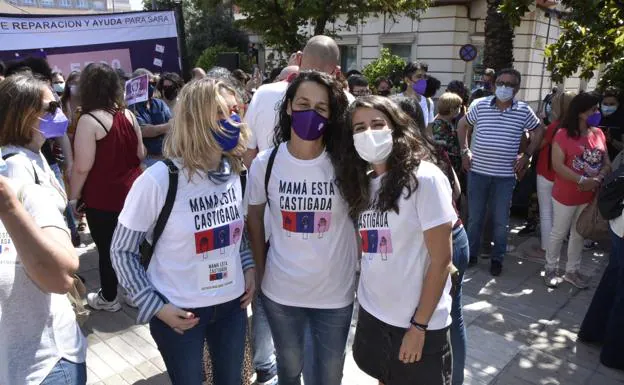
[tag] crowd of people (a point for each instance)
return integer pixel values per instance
(294, 195)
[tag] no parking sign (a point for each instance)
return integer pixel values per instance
(468, 52)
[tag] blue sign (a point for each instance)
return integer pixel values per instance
(468, 52)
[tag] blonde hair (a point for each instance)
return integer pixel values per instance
(560, 103)
(449, 102)
(197, 114)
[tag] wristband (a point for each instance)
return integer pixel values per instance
(422, 327)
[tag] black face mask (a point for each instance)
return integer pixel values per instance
(383, 92)
(170, 93)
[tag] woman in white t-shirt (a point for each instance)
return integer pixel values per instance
(308, 283)
(405, 218)
(40, 340)
(201, 276)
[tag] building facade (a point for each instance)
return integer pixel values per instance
(63, 6)
(440, 33)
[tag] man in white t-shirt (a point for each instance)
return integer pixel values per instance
(321, 53)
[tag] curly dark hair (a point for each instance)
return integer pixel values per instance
(173, 77)
(337, 106)
(100, 88)
(408, 149)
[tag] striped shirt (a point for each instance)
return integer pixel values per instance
(497, 135)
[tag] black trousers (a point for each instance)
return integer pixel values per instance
(376, 352)
(102, 225)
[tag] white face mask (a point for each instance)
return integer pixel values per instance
(374, 146)
(504, 93)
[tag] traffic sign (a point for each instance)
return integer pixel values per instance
(468, 52)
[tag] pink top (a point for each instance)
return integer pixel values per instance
(583, 155)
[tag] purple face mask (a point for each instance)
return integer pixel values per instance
(420, 86)
(53, 126)
(308, 124)
(593, 120)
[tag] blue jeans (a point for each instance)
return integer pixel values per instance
(67, 373)
(329, 329)
(263, 349)
(494, 192)
(223, 327)
(603, 321)
(458, 329)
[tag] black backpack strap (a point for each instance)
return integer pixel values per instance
(267, 174)
(7, 156)
(243, 181)
(163, 217)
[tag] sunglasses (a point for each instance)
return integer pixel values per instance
(52, 107)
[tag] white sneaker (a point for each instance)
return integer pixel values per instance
(97, 302)
(129, 300)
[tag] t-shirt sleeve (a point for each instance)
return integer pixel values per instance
(20, 168)
(144, 201)
(434, 198)
(532, 121)
(256, 191)
(473, 114)
(40, 205)
(166, 111)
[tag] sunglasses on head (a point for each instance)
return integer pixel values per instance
(52, 107)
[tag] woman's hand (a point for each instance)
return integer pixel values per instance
(589, 184)
(250, 287)
(177, 319)
(412, 346)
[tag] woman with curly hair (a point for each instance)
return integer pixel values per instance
(309, 281)
(407, 200)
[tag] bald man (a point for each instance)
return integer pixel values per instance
(198, 73)
(322, 54)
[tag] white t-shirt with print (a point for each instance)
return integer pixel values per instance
(37, 329)
(395, 257)
(312, 253)
(22, 167)
(196, 262)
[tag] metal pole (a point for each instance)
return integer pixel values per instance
(539, 108)
(186, 71)
(154, 6)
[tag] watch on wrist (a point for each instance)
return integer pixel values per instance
(465, 151)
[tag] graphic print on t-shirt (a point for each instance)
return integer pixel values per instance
(589, 163)
(375, 234)
(219, 226)
(306, 207)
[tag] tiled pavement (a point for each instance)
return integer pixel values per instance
(519, 332)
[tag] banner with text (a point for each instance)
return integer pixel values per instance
(127, 41)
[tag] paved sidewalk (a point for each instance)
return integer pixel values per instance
(519, 332)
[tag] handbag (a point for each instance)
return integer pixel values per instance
(590, 224)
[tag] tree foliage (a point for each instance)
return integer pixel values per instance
(207, 23)
(386, 65)
(592, 35)
(283, 24)
(499, 38)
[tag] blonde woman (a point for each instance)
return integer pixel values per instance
(201, 276)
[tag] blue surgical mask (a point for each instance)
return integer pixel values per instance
(504, 93)
(53, 126)
(608, 110)
(228, 141)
